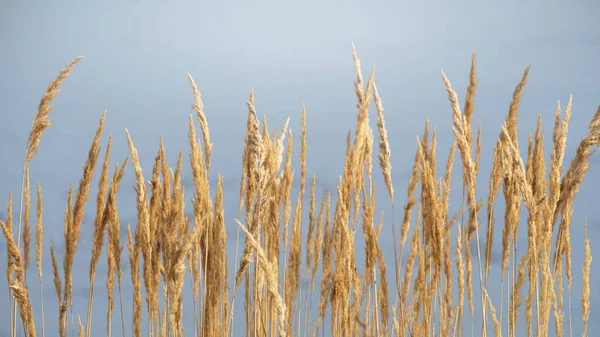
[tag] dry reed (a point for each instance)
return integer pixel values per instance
(431, 287)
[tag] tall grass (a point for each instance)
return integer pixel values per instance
(431, 291)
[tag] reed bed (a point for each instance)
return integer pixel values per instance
(297, 275)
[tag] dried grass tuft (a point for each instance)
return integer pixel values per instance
(354, 296)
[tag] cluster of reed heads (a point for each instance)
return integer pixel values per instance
(429, 292)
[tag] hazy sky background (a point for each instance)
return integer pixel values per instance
(138, 54)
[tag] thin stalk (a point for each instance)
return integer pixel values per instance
(230, 320)
(42, 299)
(121, 305)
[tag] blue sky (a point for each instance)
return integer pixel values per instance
(138, 54)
